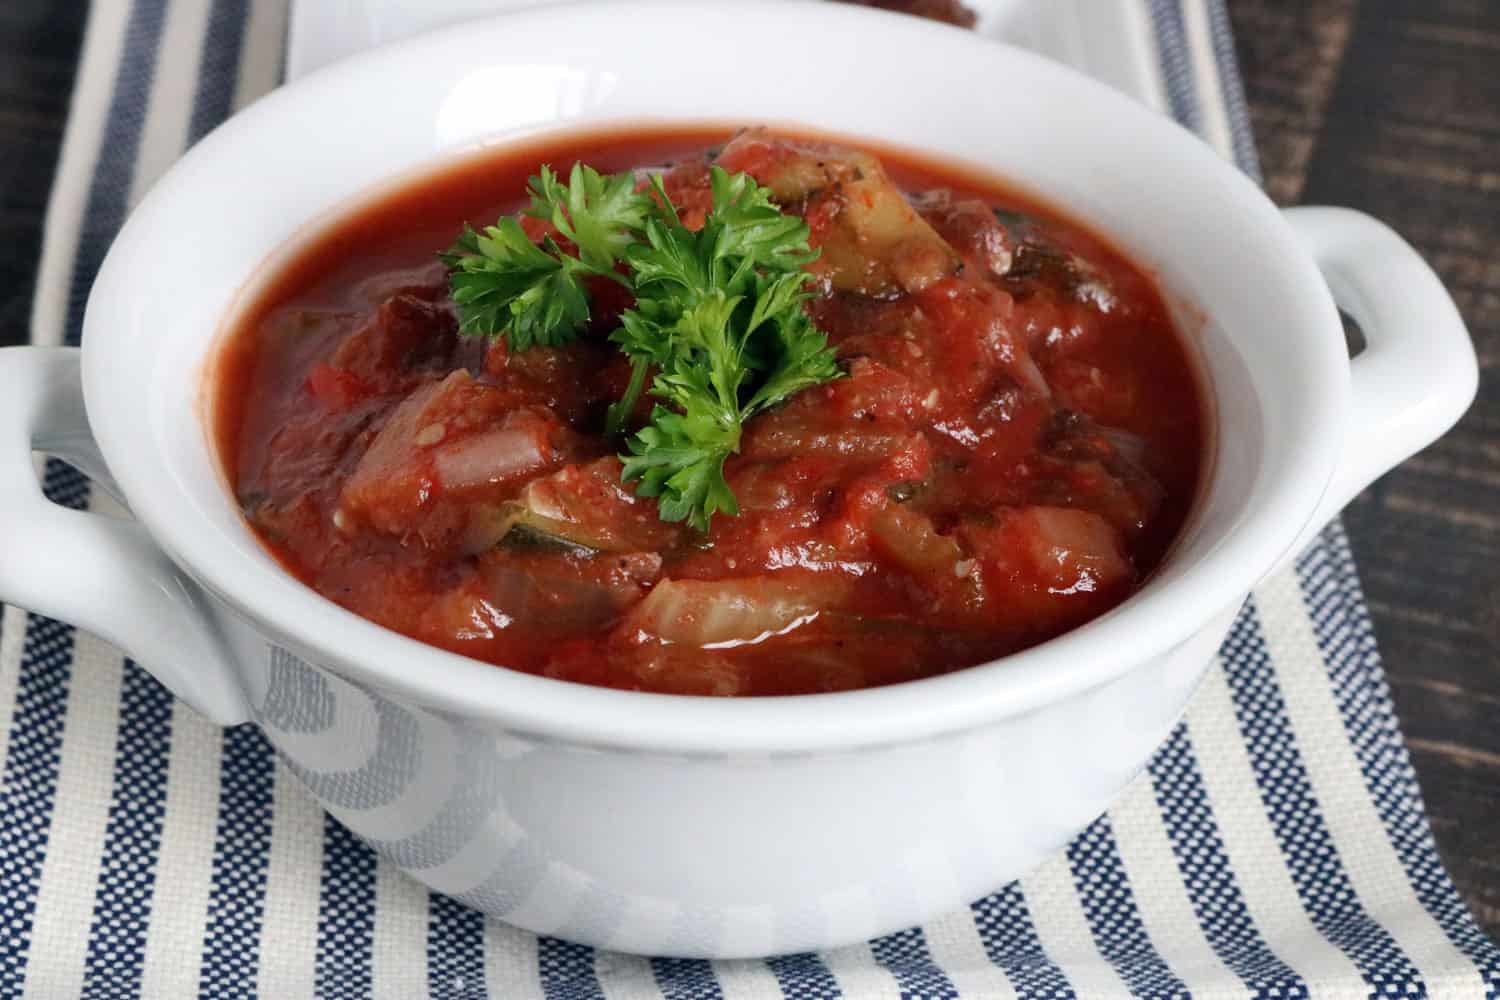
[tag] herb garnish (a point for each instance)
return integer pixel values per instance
(502, 282)
(719, 314)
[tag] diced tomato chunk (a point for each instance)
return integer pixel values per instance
(1048, 568)
(336, 388)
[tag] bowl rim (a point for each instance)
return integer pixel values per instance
(297, 618)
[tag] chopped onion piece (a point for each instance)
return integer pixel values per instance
(718, 613)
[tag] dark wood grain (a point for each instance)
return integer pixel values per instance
(1393, 107)
(39, 42)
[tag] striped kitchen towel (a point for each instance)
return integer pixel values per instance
(1276, 847)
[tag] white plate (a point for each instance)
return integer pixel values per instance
(1111, 40)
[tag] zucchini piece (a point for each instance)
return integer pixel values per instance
(526, 529)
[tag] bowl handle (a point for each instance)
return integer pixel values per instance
(104, 573)
(1417, 374)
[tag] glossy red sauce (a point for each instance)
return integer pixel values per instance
(1016, 441)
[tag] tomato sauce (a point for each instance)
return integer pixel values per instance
(1015, 441)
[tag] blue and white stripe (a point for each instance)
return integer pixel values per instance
(346, 916)
(122, 905)
(1113, 915)
(1011, 942)
(1307, 848)
(455, 949)
(1276, 847)
(1341, 622)
(1218, 902)
(242, 843)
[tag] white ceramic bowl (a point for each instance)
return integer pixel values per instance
(690, 826)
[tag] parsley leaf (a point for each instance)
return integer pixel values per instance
(500, 280)
(599, 213)
(679, 458)
(503, 283)
(801, 357)
(718, 315)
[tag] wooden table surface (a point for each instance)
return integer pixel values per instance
(1391, 106)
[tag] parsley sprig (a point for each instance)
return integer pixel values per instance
(503, 282)
(718, 316)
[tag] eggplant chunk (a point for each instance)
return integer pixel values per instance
(1037, 263)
